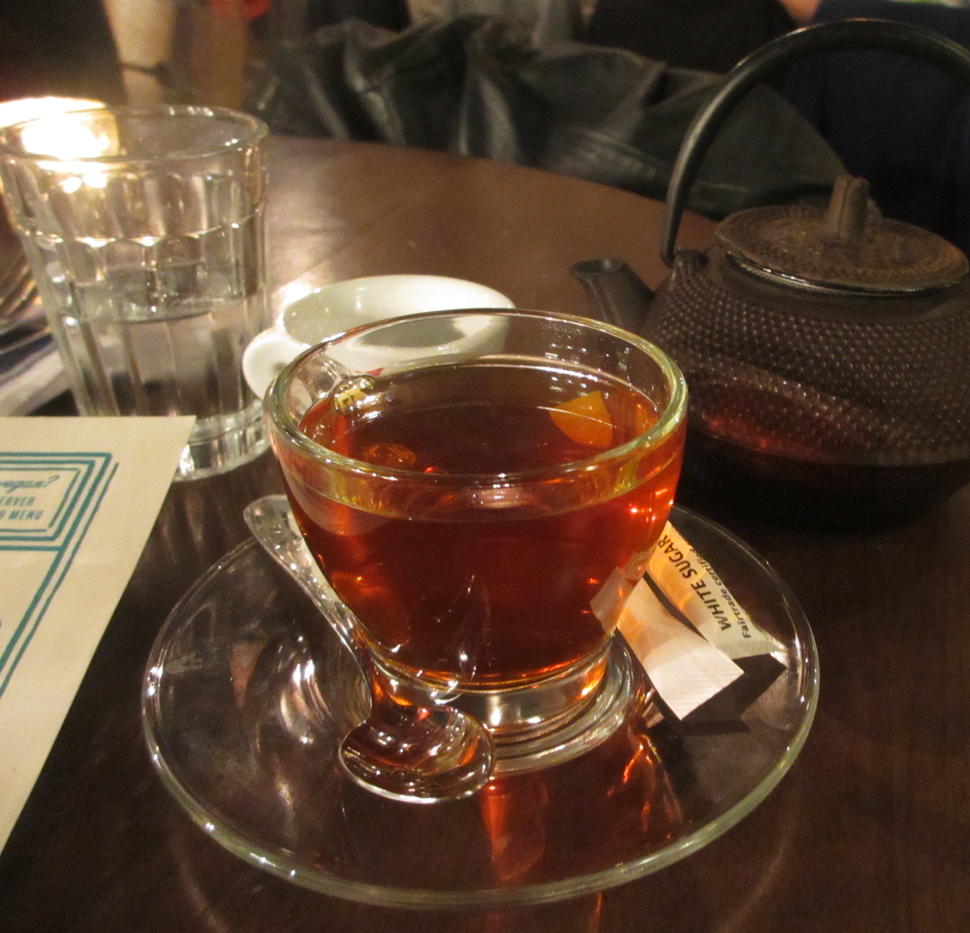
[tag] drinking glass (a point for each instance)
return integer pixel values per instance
(144, 232)
(482, 507)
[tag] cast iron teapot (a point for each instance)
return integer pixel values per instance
(826, 351)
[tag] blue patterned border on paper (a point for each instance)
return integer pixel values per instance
(47, 503)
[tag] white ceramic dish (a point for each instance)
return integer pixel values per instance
(340, 306)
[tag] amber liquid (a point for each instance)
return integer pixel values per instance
(488, 583)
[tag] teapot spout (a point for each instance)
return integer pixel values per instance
(614, 291)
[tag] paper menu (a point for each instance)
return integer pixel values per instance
(78, 498)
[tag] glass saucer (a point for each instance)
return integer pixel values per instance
(247, 694)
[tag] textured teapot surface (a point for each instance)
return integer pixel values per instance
(836, 379)
(848, 249)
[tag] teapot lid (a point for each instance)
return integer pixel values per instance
(848, 248)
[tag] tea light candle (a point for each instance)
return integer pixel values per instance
(51, 138)
(27, 108)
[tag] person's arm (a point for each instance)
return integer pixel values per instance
(801, 11)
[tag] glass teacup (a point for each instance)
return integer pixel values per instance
(482, 508)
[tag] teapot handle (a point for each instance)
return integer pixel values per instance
(886, 35)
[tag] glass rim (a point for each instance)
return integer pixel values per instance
(255, 131)
(671, 417)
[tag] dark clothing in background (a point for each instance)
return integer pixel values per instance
(708, 35)
(390, 14)
(895, 120)
(476, 86)
(61, 48)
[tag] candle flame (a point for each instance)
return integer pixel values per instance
(63, 140)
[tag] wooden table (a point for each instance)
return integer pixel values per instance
(869, 831)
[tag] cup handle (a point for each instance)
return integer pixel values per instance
(267, 353)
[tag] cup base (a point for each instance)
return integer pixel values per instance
(538, 725)
(218, 445)
(582, 726)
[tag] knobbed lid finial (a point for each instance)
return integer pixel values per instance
(847, 248)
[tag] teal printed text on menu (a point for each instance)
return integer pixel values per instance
(47, 503)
